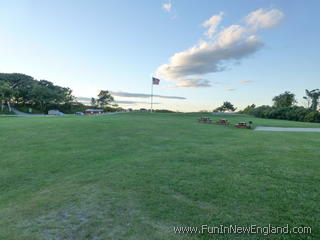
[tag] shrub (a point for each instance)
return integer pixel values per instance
(312, 117)
(294, 113)
(163, 111)
(262, 111)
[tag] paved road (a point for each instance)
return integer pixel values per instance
(282, 129)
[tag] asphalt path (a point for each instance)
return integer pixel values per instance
(284, 129)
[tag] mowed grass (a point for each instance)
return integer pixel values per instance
(139, 175)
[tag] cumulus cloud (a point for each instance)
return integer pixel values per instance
(264, 18)
(167, 6)
(212, 24)
(230, 45)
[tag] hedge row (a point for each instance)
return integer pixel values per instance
(288, 113)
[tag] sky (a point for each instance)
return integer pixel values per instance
(204, 52)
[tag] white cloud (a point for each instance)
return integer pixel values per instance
(191, 83)
(212, 24)
(229, 45)
(167, 6)
(245, 81)
(264, 18)
(230, 89)
(87, 101)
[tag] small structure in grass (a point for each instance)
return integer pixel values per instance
(204, 120)
(223, 122)
(93, 111)
(242, 125)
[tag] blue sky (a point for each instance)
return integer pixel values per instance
(118, 45)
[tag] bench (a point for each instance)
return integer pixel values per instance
(204, 120)
(242, 125)
(223, 122)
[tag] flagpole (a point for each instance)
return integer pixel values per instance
(151, 95)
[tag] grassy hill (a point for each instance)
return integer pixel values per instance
(139, 175)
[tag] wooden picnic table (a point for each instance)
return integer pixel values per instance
(242, 125)
(204, 120)
(223, 122)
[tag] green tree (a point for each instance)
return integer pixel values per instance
(5, 95)
(104, 98)
(226, 106)
(313, 95)
(25, 90)
(286, 99)
(20, 84)
(248, 109)
(93, 102)
(45, 93)
(41, 96)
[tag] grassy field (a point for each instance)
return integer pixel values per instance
(139, 175)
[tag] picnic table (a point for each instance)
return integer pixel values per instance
(223, 122)
(242, 125)
(204, 120)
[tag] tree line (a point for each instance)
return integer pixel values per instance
(24, 91)
(284, 107)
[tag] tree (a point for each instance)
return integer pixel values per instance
(104, 98)
(285, 99)
(93, 102)
(5, 95)
(20, 85)
(308, 101)
(45, 93)
(248, 109)
(226, 106)
(22, 89)
(41, 95)
(313, 95)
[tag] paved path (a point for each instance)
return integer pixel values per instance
(283, 129)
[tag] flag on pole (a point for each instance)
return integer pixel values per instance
(155, 81)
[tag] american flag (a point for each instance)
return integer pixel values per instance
(155, 81)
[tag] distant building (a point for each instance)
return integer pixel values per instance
(93, 111)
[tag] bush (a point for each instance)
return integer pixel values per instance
(5, 111)
(113, 109)
(262, 111)
(68, 108)
(287, 113)
(297, 113)
(163, 111)
(25, 108)
(312, 117)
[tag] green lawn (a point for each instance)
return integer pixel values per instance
(138, 175)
